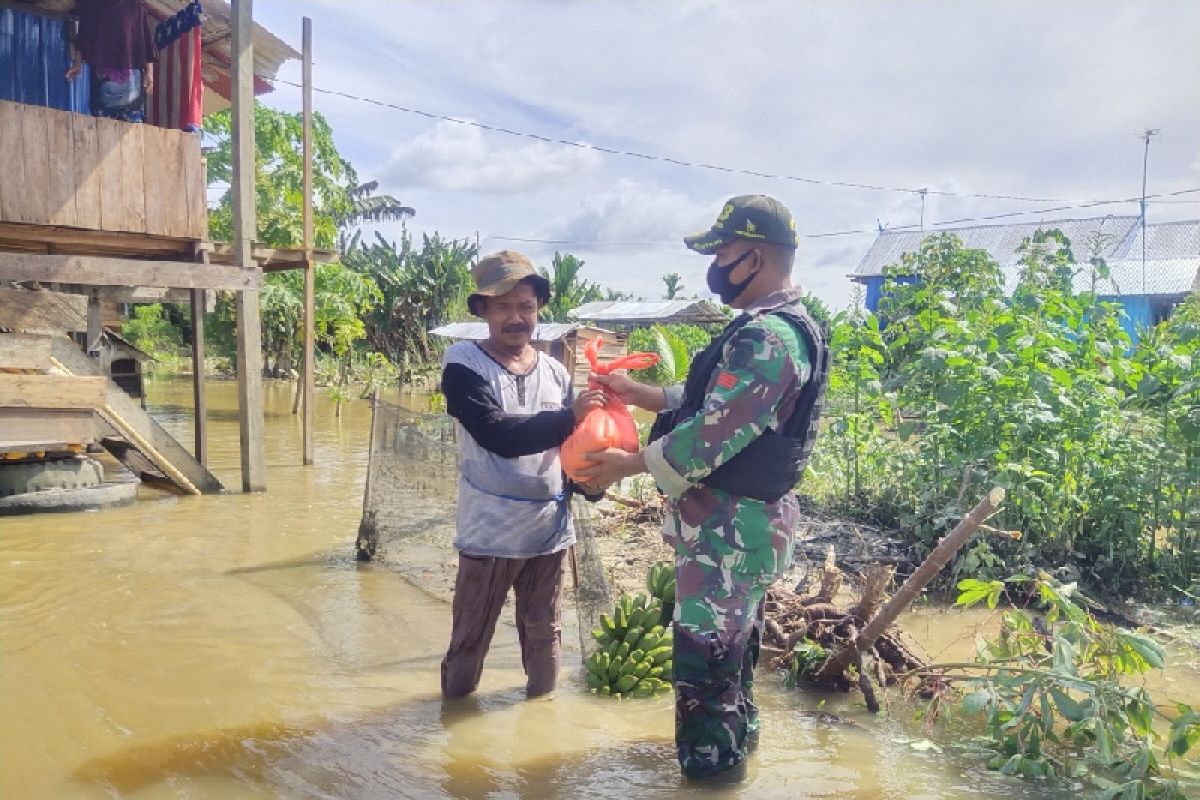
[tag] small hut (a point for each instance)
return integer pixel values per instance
(561, 341)
(124, 363)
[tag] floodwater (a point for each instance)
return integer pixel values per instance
(230, 647)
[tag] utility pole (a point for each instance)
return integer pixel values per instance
(1145, 136)
(923, 192)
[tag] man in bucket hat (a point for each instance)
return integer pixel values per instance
(728, 449)
(512, 408)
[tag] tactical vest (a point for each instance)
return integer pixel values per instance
(771, 465)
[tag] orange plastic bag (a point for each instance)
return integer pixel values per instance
(609, 426)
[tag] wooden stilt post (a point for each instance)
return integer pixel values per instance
(307, 377)
(199, 404)
(249, 324)
(95, 328)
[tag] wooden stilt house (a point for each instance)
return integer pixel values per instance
(114, 211)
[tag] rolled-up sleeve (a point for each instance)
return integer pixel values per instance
(674, 396)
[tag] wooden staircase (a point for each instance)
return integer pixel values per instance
(132, 435)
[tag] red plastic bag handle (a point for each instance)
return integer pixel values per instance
(630, 361)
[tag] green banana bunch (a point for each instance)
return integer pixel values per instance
(633, 655)
(660, 582)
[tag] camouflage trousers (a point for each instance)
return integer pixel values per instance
(718, 631)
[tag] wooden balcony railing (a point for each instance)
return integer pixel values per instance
(73, 170)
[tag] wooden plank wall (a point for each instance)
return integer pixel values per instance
(79, 171)
(613, 346)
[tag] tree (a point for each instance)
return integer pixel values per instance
(419, 289)
(340, 204)
(366, 206)
(817, 310)
(340, 201)
(567, 290)
(674, 282)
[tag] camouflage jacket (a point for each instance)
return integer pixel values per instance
(762, 370)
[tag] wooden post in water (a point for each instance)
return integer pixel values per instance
(307, 377)
(199, 404)
(249, 321)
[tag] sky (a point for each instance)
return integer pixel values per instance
(1037, 100)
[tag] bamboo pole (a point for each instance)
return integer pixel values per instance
(199, 403)
(308, 370)
(941, 555)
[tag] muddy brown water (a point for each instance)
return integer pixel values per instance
(231, 647)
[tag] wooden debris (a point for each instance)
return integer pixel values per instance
(862, 636)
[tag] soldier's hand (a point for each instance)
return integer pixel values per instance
(632, 393)
(610, 466)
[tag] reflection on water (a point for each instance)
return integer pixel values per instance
(231, 647)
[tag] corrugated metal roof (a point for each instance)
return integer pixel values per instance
(1172, 251)
(1164, 240)
(630, 312)
(34, 61)
(478, 331)
(1164, 276)
(1001, 241)
(270, 52)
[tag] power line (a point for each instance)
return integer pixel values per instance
(920, 227)
(670, 160)
(922, 193)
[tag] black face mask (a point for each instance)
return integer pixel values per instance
(719, 282)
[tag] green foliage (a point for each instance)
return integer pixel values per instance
(342, 297)
(1042, 394)
(1049, 690)
(675, 346)
(149, 329)
(339, 200)
(817, 310)
(854, 452)
(674, 284)
(419, 289)
(807, 658)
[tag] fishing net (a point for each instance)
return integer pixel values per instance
(412, 483)
(410, 502)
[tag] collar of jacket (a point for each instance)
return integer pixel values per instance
(774, 300)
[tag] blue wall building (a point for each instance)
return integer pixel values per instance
(1147, 296)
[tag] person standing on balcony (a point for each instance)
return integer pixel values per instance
(116, 40)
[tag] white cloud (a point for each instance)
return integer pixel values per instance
(460, 158)
(944, 94)
(633, 211)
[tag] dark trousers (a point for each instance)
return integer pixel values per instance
(480, 591)
(716, 720)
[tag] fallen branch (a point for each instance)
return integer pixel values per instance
(835, 667)
(625, 501)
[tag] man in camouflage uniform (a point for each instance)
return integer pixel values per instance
(727, 450)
